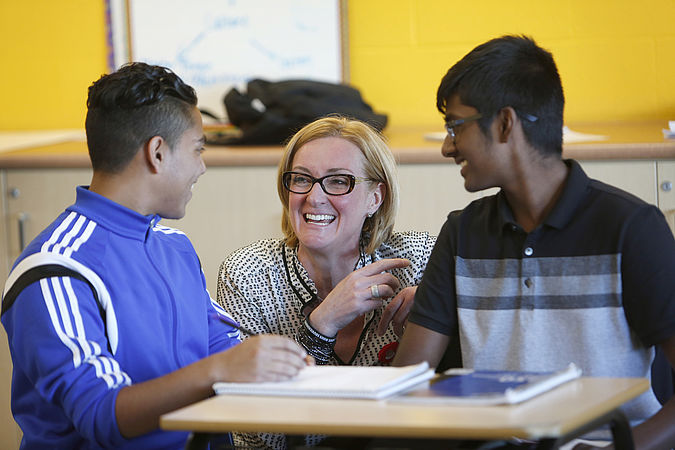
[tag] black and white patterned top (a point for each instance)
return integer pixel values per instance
(264, 287)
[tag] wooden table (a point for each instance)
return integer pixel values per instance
(552, 418)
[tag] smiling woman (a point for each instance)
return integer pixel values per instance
(337, 235)
(340, 282)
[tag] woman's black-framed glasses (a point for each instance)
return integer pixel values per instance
(337, 184)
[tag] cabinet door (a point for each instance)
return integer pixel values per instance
(428, 193)
(666, 190)
(636, 177)
(34, 198)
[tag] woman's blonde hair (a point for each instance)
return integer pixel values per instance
(379, 165)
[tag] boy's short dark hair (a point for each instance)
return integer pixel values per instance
(510, 71)
(130, 106)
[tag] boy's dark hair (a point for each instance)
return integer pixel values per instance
(130, 106)
(510, 71)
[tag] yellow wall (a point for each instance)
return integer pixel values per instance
(615, 57)
(50, 52)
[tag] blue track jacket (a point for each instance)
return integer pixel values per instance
(68, 364)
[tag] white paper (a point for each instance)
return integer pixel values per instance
(670, 132)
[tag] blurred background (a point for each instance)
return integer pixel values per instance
(616, 59)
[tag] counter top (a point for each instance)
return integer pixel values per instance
(624, 141)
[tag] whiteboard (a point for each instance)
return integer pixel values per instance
(214, 45)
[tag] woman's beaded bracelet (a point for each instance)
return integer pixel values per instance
(316, 344)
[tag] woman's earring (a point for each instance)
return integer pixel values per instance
(370, 215)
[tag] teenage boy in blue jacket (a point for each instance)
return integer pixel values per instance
(130, 331)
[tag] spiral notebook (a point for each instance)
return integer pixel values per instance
(483, 387)
(361, 382)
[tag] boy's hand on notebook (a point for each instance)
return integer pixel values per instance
(261, 358)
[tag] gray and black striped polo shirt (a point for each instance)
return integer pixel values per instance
(593, 285)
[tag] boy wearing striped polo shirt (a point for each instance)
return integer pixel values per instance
(556, 267)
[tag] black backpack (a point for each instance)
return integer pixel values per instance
(269, 113)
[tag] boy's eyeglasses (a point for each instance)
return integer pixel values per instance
(450, 125)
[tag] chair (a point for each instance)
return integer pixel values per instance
(663, 377)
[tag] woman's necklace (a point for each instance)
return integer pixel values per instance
(315, 300)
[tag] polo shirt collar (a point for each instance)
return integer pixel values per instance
(113, 216)
(563, 211)
(571, 196)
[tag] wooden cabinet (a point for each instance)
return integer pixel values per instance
(428, 193)
(652, 181)
(636, 177)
